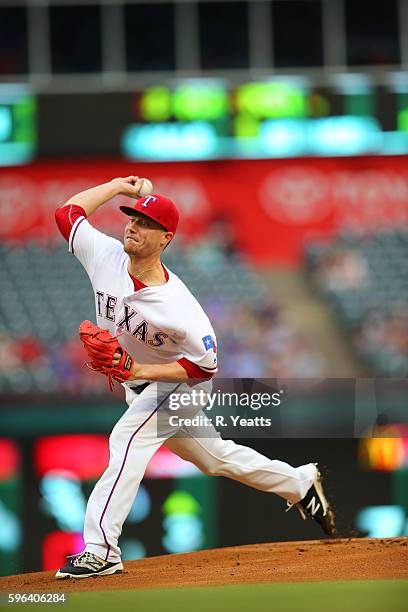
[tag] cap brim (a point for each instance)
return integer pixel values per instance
(131, 212)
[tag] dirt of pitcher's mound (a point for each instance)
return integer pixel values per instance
(318, 560)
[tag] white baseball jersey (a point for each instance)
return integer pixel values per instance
(158, 324)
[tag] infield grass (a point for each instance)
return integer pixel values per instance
(350, 596)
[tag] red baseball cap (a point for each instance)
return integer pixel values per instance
(156, 207)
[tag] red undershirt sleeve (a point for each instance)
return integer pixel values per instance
(193, 370)
(65, 217)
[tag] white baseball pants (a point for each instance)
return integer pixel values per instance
(133, 442)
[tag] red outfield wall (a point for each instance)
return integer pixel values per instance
(275, 205)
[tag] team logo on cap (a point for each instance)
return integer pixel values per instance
(147, 200)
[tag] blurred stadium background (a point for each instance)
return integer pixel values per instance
(280, 128)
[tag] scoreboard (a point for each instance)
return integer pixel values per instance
(199, 119)
(279, 117)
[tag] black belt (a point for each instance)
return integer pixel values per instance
(140, 388)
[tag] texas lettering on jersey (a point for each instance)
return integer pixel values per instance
(128, 320)
(154, 324)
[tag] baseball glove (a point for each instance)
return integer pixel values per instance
(101, 347)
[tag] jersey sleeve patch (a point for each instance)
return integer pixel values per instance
(208, 342)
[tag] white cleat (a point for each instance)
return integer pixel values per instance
(87, 564)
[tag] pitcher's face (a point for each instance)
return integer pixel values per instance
(144, 236)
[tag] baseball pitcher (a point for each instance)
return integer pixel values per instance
(153, 336)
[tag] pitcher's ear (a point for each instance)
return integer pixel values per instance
(169, 236)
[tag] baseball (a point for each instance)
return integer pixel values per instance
(145, 187)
